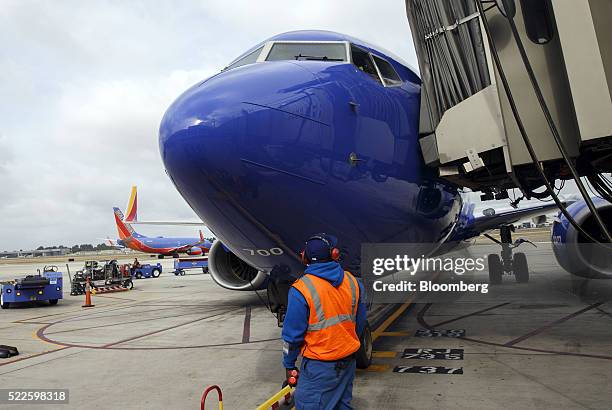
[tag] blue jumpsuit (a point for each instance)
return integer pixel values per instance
(321, 385)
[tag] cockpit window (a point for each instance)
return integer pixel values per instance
(387, 72)
(362, 60)
(307, 51)
(248, 59)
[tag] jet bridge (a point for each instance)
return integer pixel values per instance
(468, 128)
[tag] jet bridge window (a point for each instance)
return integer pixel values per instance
(362, 60)
(387, 72)
(307, 51)
(248, 59)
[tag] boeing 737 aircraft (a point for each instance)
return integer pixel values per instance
(129, 238)
(315, 131)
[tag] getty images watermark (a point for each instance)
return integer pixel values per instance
(391, 272)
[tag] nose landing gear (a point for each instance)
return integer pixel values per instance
(507, 262)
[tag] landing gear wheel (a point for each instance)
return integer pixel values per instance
(128, 284)
(495, 269)
(521, 269)
(155, 273)
(363, 356)
(53, 302)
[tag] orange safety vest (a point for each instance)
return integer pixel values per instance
(331, 333)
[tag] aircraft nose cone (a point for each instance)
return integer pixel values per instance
(213, 123)
(211, 136)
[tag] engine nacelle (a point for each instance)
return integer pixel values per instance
(574, 252)
(231, 272)
(194, 251)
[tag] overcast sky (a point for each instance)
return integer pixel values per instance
(84, 84)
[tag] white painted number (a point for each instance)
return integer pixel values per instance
(264, 252)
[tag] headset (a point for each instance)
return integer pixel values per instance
(334, 253)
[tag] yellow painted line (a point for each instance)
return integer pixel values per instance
(35, 337)
(381, 329)
(375, 368)
(268, 403)
(395, 334)
(384, 354)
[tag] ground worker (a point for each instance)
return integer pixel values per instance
(325, 314)
(134, 266)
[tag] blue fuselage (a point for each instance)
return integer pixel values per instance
(161, 243)
(269, 153)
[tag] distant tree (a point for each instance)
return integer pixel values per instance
(103, 247)
(86, 247)
(40, 248)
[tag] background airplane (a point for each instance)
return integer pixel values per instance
(315, 131)
(167, 246)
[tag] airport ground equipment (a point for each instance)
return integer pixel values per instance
(46, 286)
(205, 394)
(183, 264)
(88, 302)
(104, 273)
(281, 400)
(146, 271)
(515, 92)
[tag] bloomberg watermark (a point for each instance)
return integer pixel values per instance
(394, 272)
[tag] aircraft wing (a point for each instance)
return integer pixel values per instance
(185, 248)
(194, 223)
(471, 225)
(112, 242)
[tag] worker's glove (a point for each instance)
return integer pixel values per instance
(292, 376)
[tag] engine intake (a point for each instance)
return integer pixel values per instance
(231, 272)
(573, 251)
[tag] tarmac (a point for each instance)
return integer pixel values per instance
(159, 346)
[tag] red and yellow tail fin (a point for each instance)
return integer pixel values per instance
(131, 211)
(201, 236)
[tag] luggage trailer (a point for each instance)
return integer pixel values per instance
(182, 264)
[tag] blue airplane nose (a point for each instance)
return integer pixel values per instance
(226, 142)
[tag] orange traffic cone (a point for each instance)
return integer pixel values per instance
(88, 295)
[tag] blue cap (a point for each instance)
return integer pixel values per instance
(319, 246)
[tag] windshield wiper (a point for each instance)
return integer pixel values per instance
(316, 58)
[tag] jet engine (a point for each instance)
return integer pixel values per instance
(574, 252)
(231, 272)
(194, 251)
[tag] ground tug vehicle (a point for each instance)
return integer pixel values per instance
(46, 286)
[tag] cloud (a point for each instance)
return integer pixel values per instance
(84, 86)
(6, 154)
